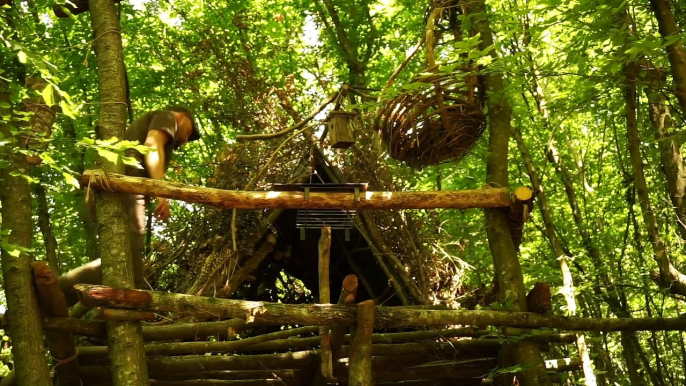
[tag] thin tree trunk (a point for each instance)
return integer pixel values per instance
(46, 230)
(125, 339)
(30, 363)
(560, 256)
(630, 358)
(508, 272)
(676, 52)
(85, 209)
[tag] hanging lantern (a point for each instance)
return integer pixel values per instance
(341, 129)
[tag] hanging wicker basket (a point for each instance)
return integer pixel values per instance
(439, 118)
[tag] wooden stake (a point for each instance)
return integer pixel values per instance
(520, 208)
(325, 298)
(360, 373)
(348, 293)
(229, 199)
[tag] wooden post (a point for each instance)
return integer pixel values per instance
(360, 373)
(520, 208)
(61, 343)
(348, 293)
(325, 298)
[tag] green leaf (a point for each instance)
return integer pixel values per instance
(5, 105)
(71, 180)
(22, 57)
(14, 250)
(47, 95)
(108, 155)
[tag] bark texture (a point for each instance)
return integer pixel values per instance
(125, 338)
(361, 347)
(676, 52)
(229, 199)
(670, 277)
(30, 363)
(386, 317)
(508, 271)
(325, 298)
(61, 343)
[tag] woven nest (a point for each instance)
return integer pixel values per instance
(438, 117)
(440, 121)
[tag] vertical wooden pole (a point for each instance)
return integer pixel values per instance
(348, 293)
(360, 370)
(125, 339)
(325, 298)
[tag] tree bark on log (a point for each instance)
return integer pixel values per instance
(386, 317)
(229, 199)
(30, 363)
(127, 315)
(670, 277)
(507, 269)
(456, 349)
(326, 368)
(347, 296)
(125, 339)
(675, 51)
(201, 330)
(385, 370)
(199, 348)
(60, 343)
(520, 208)
(361, 346)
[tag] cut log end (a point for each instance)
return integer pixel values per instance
(522, 193)
(94, 295)
(350, 283)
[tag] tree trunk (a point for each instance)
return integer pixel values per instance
(676, 52)
(508, 272)
(125, 339)
(30, 363)
(670, 277)
(46, 230)
(669, 144)
(229, 199)
(560, 256)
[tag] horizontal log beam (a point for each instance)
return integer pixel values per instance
(231, 199)
(327, 314)
(463, 349)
